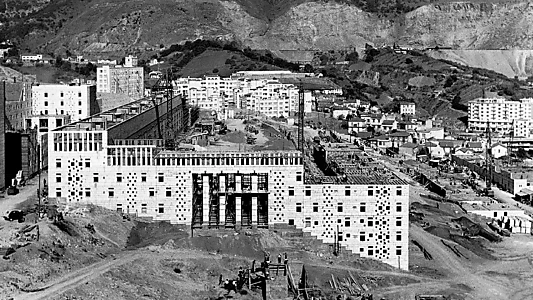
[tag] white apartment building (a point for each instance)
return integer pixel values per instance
(407, 108)
(76, 100)
(504, 115)
(31, 57)
(127, 79)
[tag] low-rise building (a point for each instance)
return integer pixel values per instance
(407, 108)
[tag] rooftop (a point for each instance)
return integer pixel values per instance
(489, 207)
(110, 118)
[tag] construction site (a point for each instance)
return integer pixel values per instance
(157, 200)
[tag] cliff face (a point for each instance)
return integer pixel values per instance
(471, 26)
(129, 25)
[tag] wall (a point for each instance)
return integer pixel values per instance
(78, 101)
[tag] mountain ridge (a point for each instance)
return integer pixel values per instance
(119, 26)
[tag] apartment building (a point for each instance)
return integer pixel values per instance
(76, 100)
(503, 115)
(407, 108)
(126, 79)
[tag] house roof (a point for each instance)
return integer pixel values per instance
(364, 135)
(357, 120)
(409, 145)
(406, 103)
(430, 144)
(388, 122)
(407, 123)
(497, 144)
(446, 144)
(382, 138)
(400, 134)
(474, 145)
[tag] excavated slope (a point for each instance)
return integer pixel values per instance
(511, 63)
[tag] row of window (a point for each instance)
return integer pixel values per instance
(61, 95)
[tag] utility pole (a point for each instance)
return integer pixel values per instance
(488, 162)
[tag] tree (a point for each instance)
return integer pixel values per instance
(353, 57)
(308, 68)
(215, 70)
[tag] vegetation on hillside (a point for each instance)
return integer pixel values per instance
(180, 55)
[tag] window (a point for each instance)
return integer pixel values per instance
(399, 207)
(143, 208)
(291, 192)
(87, 193)
(291, 221)
(398, 236)
(143, 177)
(58, 163)
(161, 209)
(79, 94)
(161, 178)
(61, 96)
(151, 193)
(339, 207)
(398, 192)
(79, 103)
(495, 214)
(46, 94)
(370, 192)
(370, 223)
(119, 177)
(316, 223)
(315, 207)
(370, 251)
(307, 221)
(119, 208)
(169, 193)
(298, 177)
(87, 164)
(347, 193)
(111, 193)
(347, 223)
(362, 208)
(95, 177)
(362, 237)
(308, 193)
(398, 251)
(79, 112)
(58, 177)
(58, 193)
(298, 207)
(45, 103)
(398, 222)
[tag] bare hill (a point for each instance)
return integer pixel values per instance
(508, 62)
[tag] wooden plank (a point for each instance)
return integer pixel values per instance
(334, 282)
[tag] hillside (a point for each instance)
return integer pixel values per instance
(103, 28)
(508, 62)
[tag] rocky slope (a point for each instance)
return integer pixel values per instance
(108, 26)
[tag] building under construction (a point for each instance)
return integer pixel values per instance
(117, 159)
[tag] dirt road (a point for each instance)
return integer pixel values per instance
(9, 202)
(73, 279)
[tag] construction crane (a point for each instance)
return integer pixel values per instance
(162, 89)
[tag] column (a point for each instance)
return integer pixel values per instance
(205, 200)
(254, 211)
(222, 207)
(254, 183)
(238, 183)
(238, 211)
